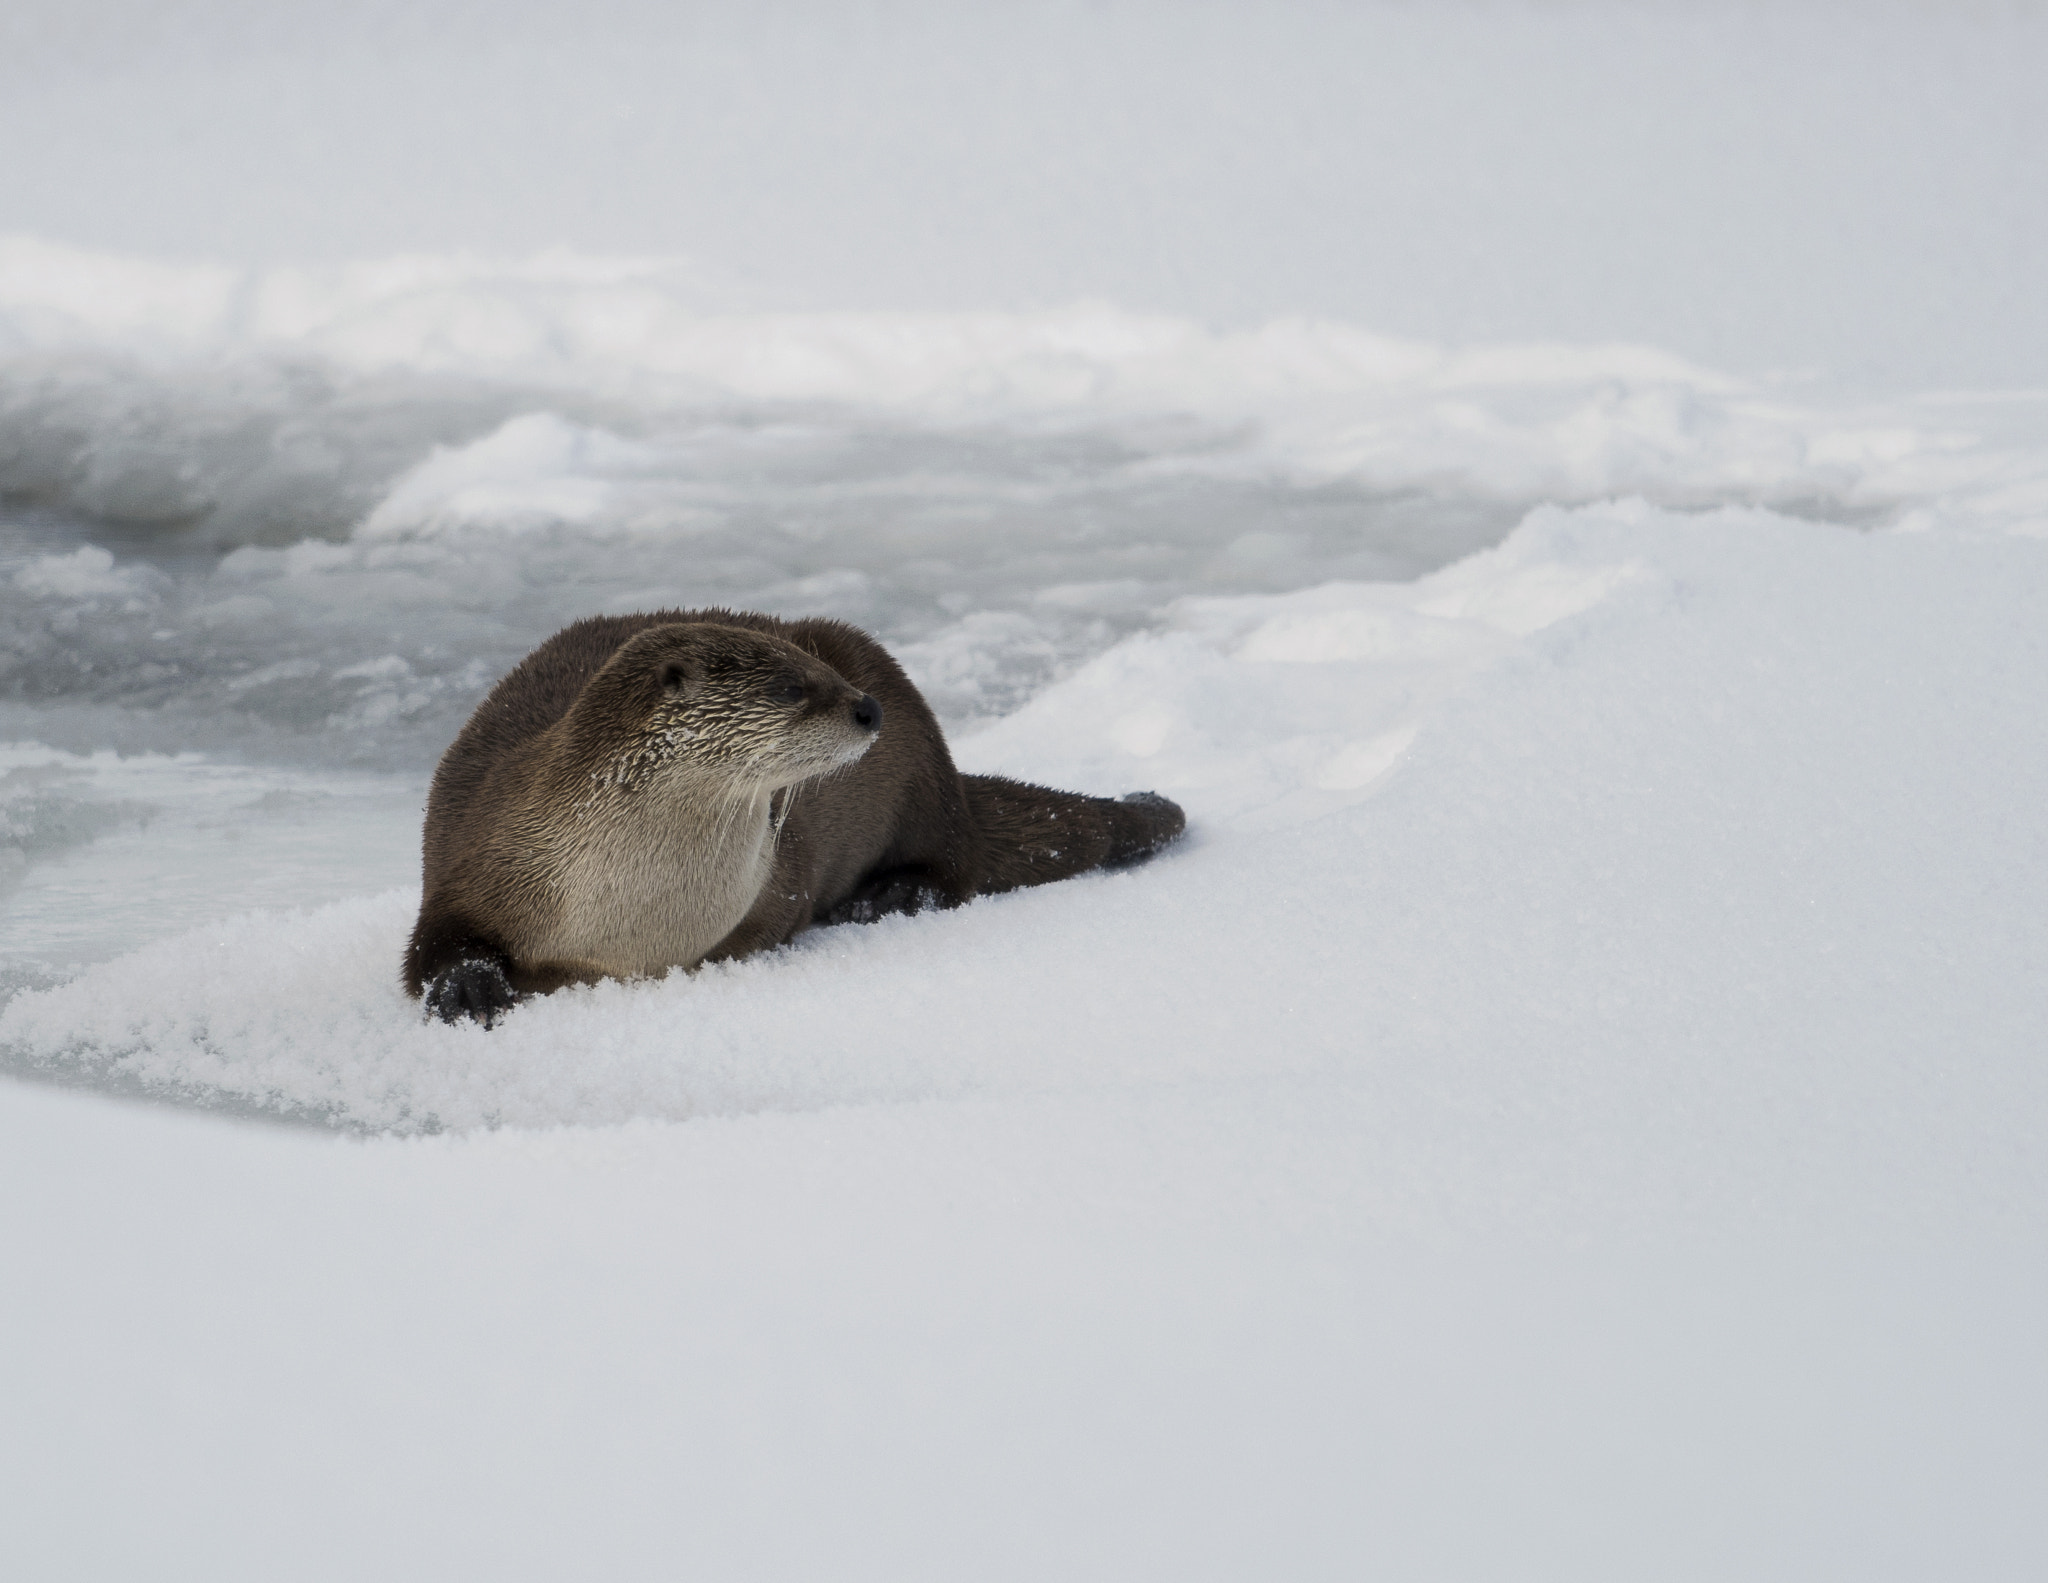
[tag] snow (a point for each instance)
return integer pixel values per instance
(1047, 1336)
(312, 358)
(1576, 1093)
(1558, 495)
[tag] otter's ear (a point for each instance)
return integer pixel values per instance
(679, 676)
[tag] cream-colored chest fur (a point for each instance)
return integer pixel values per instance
(653, 878)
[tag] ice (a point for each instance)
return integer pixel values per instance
(101, 853)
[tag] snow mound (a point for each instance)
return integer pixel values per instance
(404, 395)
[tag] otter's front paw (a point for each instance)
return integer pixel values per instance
(474, 988)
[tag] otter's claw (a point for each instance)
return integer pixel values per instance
(474, 988)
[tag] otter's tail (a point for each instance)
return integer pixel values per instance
(1032, 834)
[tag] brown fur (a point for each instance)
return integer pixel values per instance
(640, 793)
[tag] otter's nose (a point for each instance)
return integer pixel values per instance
(867, 714)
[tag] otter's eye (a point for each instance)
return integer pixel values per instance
(793, 692)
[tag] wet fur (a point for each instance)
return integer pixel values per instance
(636, 795)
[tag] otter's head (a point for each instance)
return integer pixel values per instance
(742, 708)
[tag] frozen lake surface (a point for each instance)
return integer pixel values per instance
(1573, 1106)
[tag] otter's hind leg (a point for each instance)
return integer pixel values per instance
(1032, 834)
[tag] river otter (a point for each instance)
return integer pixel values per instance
(654, 791)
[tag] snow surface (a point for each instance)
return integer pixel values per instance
(1573, 1106)
(1056, 1336)
(1577, 1095)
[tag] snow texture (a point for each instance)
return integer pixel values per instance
(1560, 496)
